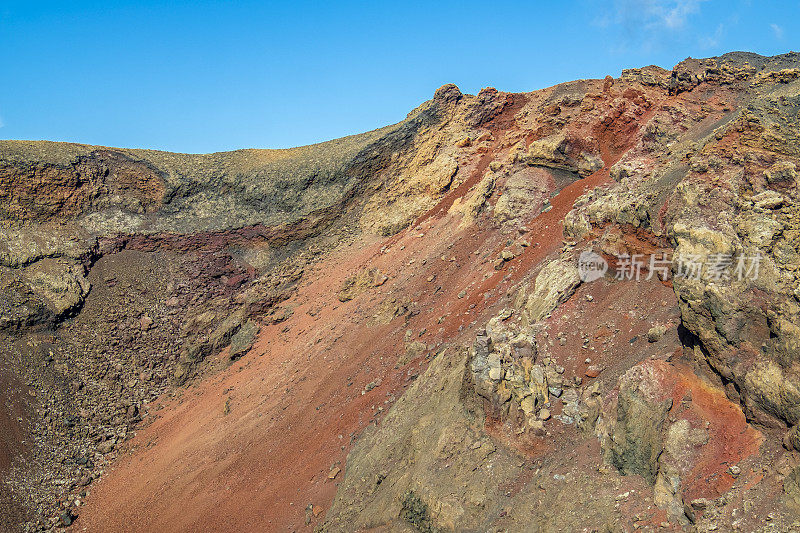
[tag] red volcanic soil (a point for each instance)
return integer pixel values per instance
(258, 446)
(252, 447)
(731, 438)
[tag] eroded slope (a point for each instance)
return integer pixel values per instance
(409, 329)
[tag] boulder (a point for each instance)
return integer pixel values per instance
(523, 195)
(242, 340)
(681, 445)
(636, 439)
(60, 283)
(556, 151)
(774, 391)
(554, 284)
(783, 172)
(768, 200)
(791, 488)
(655, 333)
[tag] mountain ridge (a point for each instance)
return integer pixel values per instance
(391, 330)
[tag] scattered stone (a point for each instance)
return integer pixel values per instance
(371, 385)
(505, 314)
(700, 504)
(67, 518)
(656, 333)
(593, 371)
(106, 446)
(768, 200)
(145, 323)
(537, 427)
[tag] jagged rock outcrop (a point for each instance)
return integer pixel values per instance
(708, 178)
(717, 203)
(557, 151)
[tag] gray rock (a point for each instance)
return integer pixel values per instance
(656, 333)
(636, 439)
(242, 340)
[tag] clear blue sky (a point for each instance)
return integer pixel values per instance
(206, 76)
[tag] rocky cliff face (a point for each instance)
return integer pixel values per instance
(573, 308)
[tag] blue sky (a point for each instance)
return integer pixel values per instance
(207, 76)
